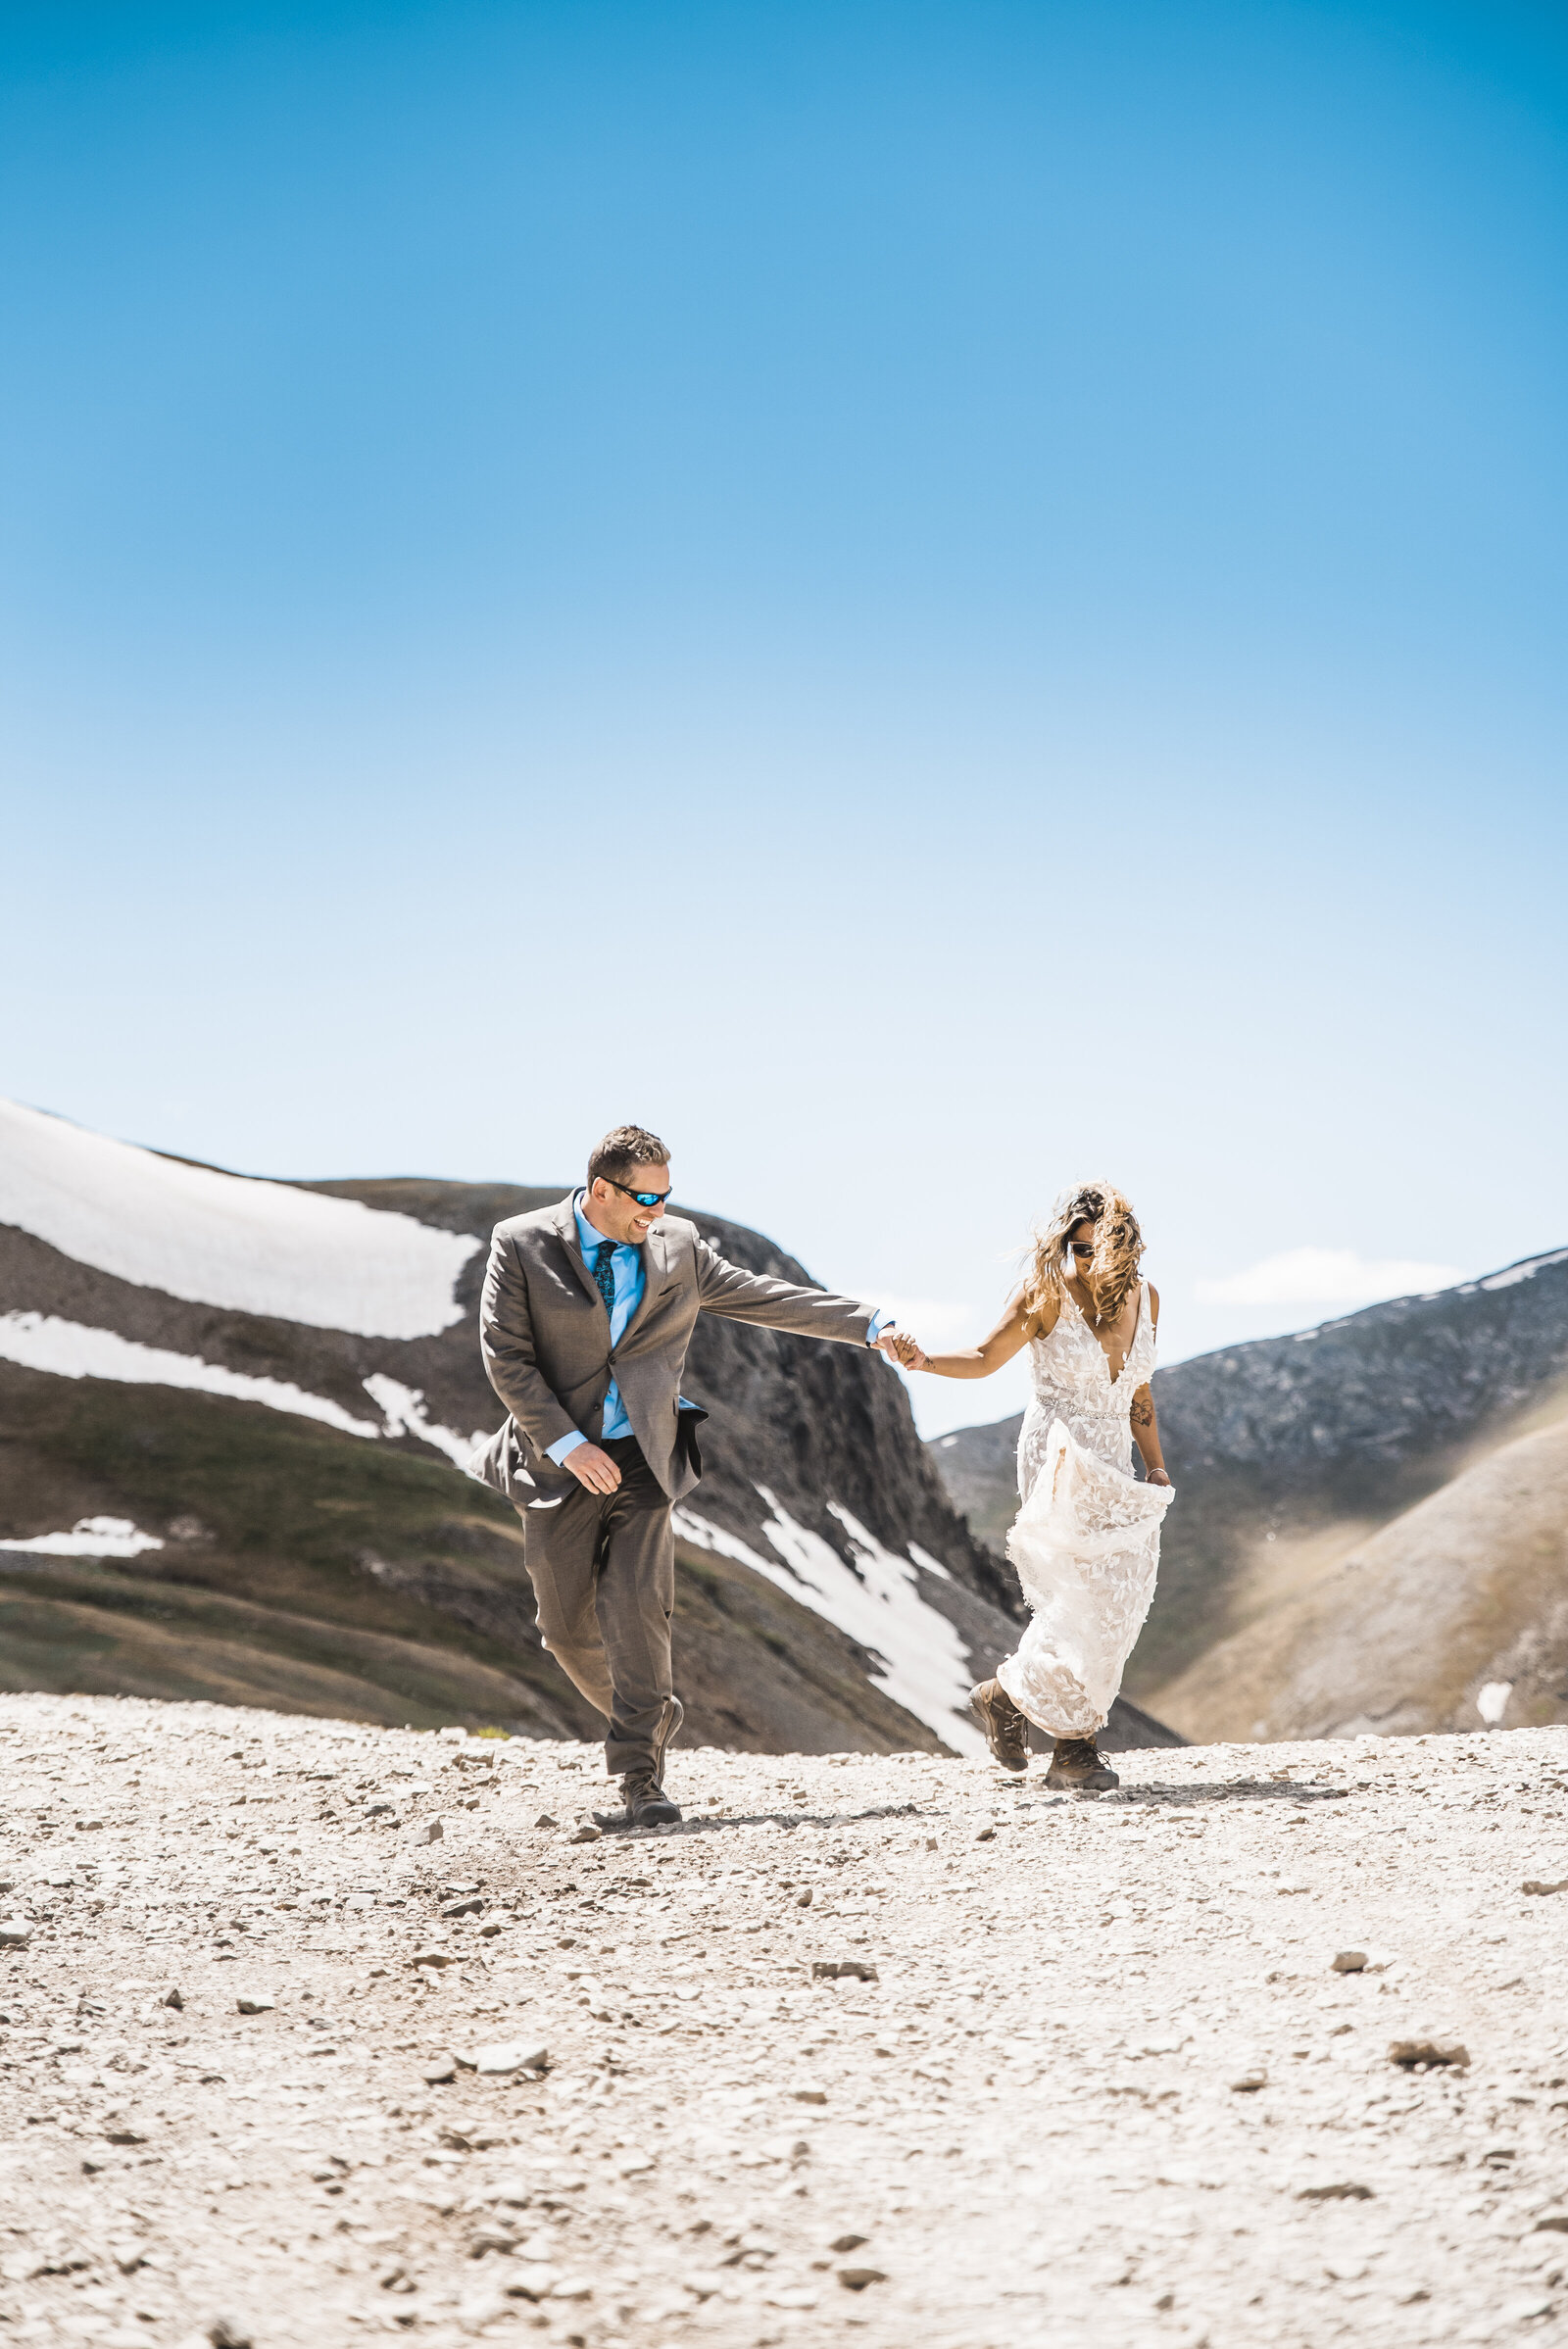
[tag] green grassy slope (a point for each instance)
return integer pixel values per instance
(319, 1572)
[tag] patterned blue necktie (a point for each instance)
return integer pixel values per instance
(605, 1274)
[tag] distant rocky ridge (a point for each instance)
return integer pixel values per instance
(1360, 1449)
(208, 1490)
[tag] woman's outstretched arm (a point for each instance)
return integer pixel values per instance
(972, 1361)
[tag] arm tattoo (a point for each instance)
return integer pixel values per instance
(1143, 1416)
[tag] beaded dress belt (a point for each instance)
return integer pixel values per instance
(1074, 1410)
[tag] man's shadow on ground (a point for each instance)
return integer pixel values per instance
(705, 1825)
(1144, 1797)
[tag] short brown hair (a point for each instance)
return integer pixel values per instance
(623, 1149)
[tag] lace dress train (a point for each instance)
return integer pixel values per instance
(1086, 1543)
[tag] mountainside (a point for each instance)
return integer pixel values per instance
(1456, 1610)
(232, 1419)
(1297, 1458)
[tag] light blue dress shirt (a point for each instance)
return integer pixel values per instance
(630, 1280)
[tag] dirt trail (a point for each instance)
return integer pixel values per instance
(1086, 2075)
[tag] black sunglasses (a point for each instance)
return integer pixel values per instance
(643, 1198)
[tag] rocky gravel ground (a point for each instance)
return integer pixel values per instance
(314, 2031)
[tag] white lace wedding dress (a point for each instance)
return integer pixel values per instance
(1086, 1542)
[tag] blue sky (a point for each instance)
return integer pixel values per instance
(928, 599)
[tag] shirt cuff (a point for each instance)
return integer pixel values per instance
(880, 1323)
(564, 1444)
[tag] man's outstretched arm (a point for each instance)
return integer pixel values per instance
(724, 1288)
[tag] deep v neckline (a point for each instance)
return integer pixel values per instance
(1113, 1376)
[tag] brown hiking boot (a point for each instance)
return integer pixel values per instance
(1077, 1769)
(642, 1788)
(646, 1803)
(1007, 1729)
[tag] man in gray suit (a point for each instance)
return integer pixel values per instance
(587, 1314)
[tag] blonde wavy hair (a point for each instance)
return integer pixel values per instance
(1113, 1267)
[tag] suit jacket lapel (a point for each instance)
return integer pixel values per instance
(567, 1227)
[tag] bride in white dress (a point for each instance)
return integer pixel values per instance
(1086, 1543)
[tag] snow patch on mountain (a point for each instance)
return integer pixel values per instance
(88, 1538)
(70, 1349)
(226, 1240)
(921, 1662)
(1514, 1273)
(922, 1558)
(402, 1409)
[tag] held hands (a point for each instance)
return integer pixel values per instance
(591, 1468)
(901, 1348)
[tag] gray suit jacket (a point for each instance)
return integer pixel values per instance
(545, 1336)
